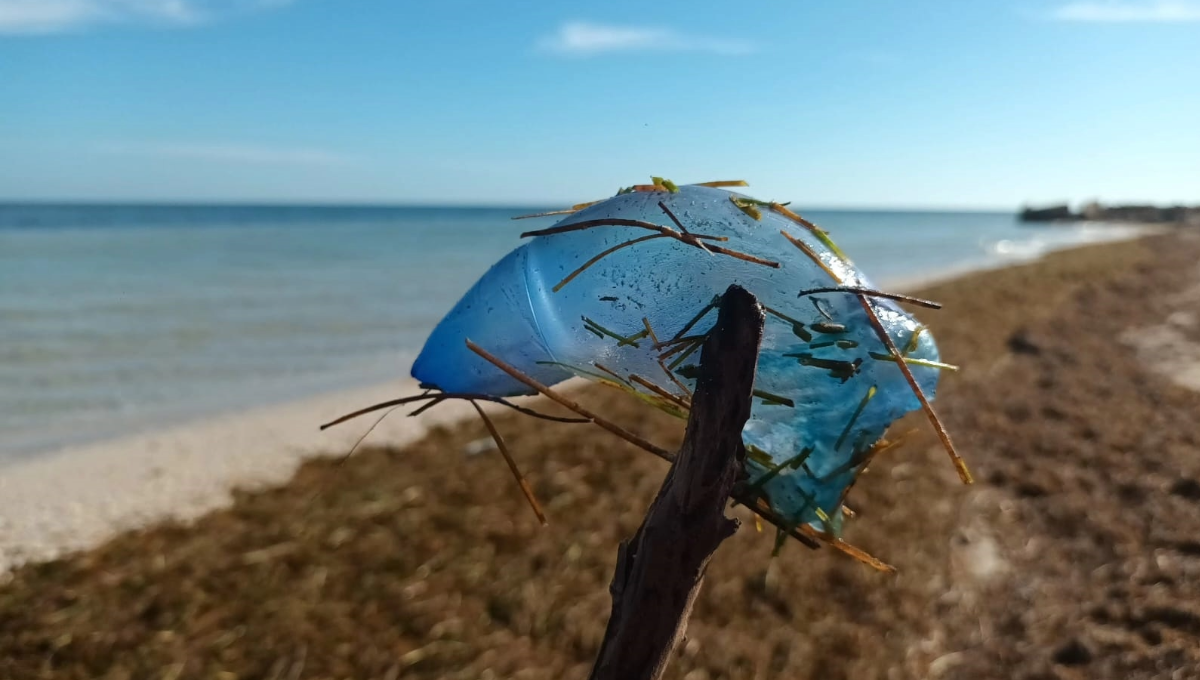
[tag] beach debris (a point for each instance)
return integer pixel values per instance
(831, 376)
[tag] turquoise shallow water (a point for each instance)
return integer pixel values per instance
(115, 319)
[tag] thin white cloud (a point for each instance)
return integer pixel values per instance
(57, 16)
(1124, 11)
(45, 16)
(238, 154)
(581, 38)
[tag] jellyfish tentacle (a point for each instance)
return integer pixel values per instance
(522, 482)
(443, 396)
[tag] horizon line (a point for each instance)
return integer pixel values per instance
(463, 205)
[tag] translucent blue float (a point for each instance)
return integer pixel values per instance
(622, 292)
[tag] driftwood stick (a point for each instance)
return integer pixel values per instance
(660, 569)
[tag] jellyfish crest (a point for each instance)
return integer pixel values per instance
(498, 313)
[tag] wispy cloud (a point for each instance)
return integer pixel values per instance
(56, 16)
(239, 154)
(1124, 11)
(581, 38)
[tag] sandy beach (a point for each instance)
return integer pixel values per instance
(1075, 555)
(77, 497)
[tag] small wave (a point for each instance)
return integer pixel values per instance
(1011, 249)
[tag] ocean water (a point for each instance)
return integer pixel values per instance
(116, 319)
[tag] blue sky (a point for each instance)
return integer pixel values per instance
(920, 103)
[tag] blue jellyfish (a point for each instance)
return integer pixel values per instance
(624, 290)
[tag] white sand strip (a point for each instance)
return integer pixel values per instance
(78, 497)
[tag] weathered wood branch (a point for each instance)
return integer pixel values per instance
(660, 569)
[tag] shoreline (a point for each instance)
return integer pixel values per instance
(1116, 232)
(76, 497)
(119, 408)
(73, 498)
(396, 362)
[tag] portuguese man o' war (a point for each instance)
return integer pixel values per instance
(622, 292)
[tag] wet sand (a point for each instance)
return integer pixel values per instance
(1076, 554)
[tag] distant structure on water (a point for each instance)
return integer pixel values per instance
(1096, 212)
